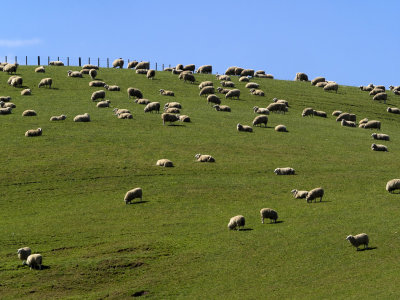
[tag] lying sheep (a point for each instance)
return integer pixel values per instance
(376, 91)
(336, 113)
(5, 98)
(133, 64)
(270, 76)
(373, 124)
(172, 104)
(222, 108)
(348, 123)
(23, 254)
(223, 77)
(206, 90)
(7, 104)
(142, 101)
(206, 69)
(26, 92)
(314, 194)
(301, 77)
(367, 88)
(320, 113)
(347, 117)
(317, 79)
(252, 85)
(247, 72)
(97, 83)
(164, 163)
(172, 110)
(132, 92)
(284, 171)
(363, 121)
(124, 116)
(227, 84)
(205, 83)
(98, 95)
(379, 147)
(29, 113)
(58, 118)
(118, 111)
(184, 118)
(57, 63)
(359, 239)
(299, 194)
(119, 62)
(232, 94)
(380, 136)
(204, 158)
(380, 96)
(167, 93)
(45, 82)
(105, 103)
(82, 118)
(223, 91)
(277, 107)
(280, 128)
(321, 84)
(133, 194)
(112, 88)
(262, 119)
(236, 222)
(257, 92)
(393, 110)
(212, 98)
(75, 74)
(332, 86)
(85, 71)
(40, 70)
(244, 128)
(261, 110)
(33, 132)
(5, 111)
(152, 106)
(276, 100)
(151, 74)
(34, 261)
(92, 73)
(90, 67)
(244, 79)
(259, 72)
(268, 213)
(393, 185)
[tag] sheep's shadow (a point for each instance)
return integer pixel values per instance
(277, 222)
(177, 125)
(398, 193)
(138, 202)
(246, 229)
(43, 267)
(323, 201)
(367, 249)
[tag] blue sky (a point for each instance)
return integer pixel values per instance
(350, 42)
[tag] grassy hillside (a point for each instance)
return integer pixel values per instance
(62, 194)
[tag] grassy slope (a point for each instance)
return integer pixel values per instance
(62, 195)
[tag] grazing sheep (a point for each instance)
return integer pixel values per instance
(252, 85)
(277, 107)
(393, 185)
(164, 163)
(380, 96)
(284, 171)
(82, 118)
(320, 113)
(112, 88)
(244, 128)
(314, 194)
(222, 108)
(299, 194)
(307, 112)
(276, 100)
(280, 128)
(151, 74)
(84, 71)
(5, 98)
(393, 110)
(76, 74)
(172, 104)
(10, 68)
(45, 82)
(190, 67)
(394, 88)
(5, 111)
(321, 84)
(259, 72)
(142, 101)
(269, 76)
(347, 117)
(167, 93)
(206, 90)
(124, 116)
(268, 213)
(119, 62)
(172, 110)
(301, 77)
(152, 106)
(90, 67)
(260, 110)
(204, 158)
(212, 98)
(132, 92)
(15, 81)
(232, 94)
(7, 104)
(34, 261)
(142, 71)
(175, 71)
(205, 83)
(373, 124)
(227, 84)
(179, 67)
(244, 79)
(105, 103)
(230, 71)
(359, 239)
(133, 194)
(223, 77)
(380, 136)
(58, 118)
(93, 73)
(184, 118)
(236, 222)
(257, 92)
(26, 92)
(143, 65)
(317, 79)
(33, 132)
(29, 113)
(23, 254)
(206, 69)
(367, 88)
(348, 123)
(97, 83)
(363, 121)
(336, 113)
(262, 119)
(223, 91)
(187, 77)
(379, 147)
(40, 69)
(132, 64)
(238, 70)
(375, 91)
(56, 63)
(98, 95)
(247, 72)
(118, 111)
(331, 86)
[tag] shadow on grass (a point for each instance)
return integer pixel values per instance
(246, 229)
(176, 125)
(139, 202)
(324, 201)
(367, 249)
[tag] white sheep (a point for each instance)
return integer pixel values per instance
(184, 118)
(56, 63)
(168, 117)
(172, 110)
(347, 123)
(284, 171)
(320, 113)
(82, 118)
(277, 107)
(119, 62)
(393, 110)
(222, 108)
(380, 96)
(124, 116)
(260, 110)
(144, 65)
(58, 118)
(257, 92)
(151, 74)
(206, 69)
(346, 116)
(204, 158)
(164, 163)
(379, 147)
(5, 111)
(90, 67)
(359, 239)
(252, 85)
(167, 93)
(152, 106)
(133, 92)
(247, 72)
(133, 64)
(393, 185)
(268, 213)
(23, 253)
(276, 100)
(97, 83)
(212, 98)
(133, 194)
(380, 136)
(301, 77)
(331, 86)
(314, 194)
(373, 124)
(190, 67)
(112, 88)
(93, 73)
(223, 77)
(142, 101)
(98, 95)
(33, 132)
(336, 113)
(172, 104)
(230, 71)
(363, 121)
(207, 90)
(236, 222)
(45, 82)
(29, 113)
(223, 91)
(76, 74)
(321, 84)
(232, 94)
(299, 194)
(281, 128)
(105, 103)
(10, 68)
(40, 69)
(227, 84)
(317, 79)
(7, 104)
(26, 92)
(34, 261)
(262, 119)
(187, 77)
(118, 111)
(5, 98)
(244, 128)
(205, 83)
(244, 79)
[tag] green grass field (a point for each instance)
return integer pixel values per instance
(62, 194)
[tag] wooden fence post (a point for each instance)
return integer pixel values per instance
(26, 60)
(98, 62)
(89, 61)
(48, 60)
(162, 67)
(108, 62)
(38, 60)
(156, 66)
(15, 60)
(6, 58)
(80, 61)
(68, 61)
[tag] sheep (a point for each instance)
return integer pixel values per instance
(105, 103)
(76, 74)
(187, 77)
(40, 70)
(269, 76)
(118, 111)
(380, 136)
(276, 100)
(84, 71)
(379, 147)
(367, 88)
(373, 124)
(15, 81)
(363, 121)
(277, 107)
(142, 101)
(119, 62)
(321, 84)
(45, 82)
(262, 119)
(5, 98)
(171, 110)
(244, 79)
(184, 118)
(380, 96)
(5, 111)
(317, 79)
(97, 83)
(10, 68)
(347, 117)
(223, 91)
(190, 67)
(142, 71)
(238, 71)
(82, 118)
(167, 93)
(151, 74)
(223, 77)
(314, 194)
(320, 113)
(299, 194)
(90, 67)
(58, 118)
(236, 222)
(268, 213)
(206, 69)
(301, 77)
(259, 72)
(33, 132)
(164, 163)
(376, 91)
(393, 110)
(56, 63)
(332, 86)
(244, 128)
(257, 92)
(348, 123)
(152, 106)
(336, 113)
(143, 65)
(23, 253)
(112, 88)
(247, 72)
(393, 185)
(93, 73)
(175, 71)
(98, 95)
(222, 108)
(280, 128)
(132, 92)
(204, 158)
(359, 239)
(124, 116)
(34, 261)
(7, 104)
(260, 110)
(29, 113)
(26, 92)
(212, 98)
(205, 83)
(132, 64)
(172, 104)
(232, 94)
(133, 194)
(230, 71)
(252, 85)
(227, 84)
(394, 88)
(206, 90)
(284, 171)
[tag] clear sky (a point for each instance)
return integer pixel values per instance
(353, 42)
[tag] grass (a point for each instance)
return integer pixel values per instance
(62, 195)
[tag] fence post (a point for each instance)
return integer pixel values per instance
(98, 62)
(26, 60)
(48, 60)
(6, 58)
(108, 62)
(89, 60)
(58, 58)
(80, 61)
(68, 61)
(38, 60)
(15, 60)
(156, 66)
(162, 67)
(169, 66)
